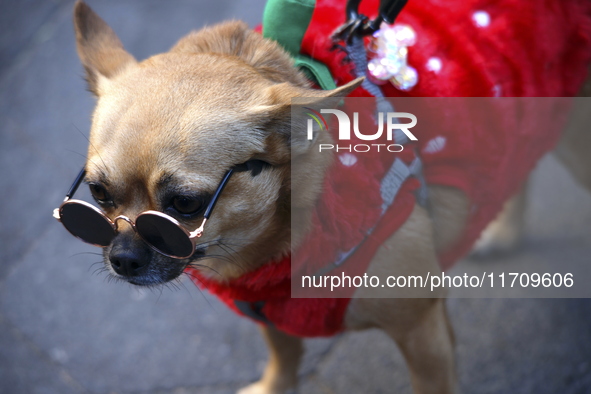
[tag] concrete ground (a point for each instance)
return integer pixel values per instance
(64, 329)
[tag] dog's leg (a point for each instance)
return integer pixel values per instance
(428, 348)
(449, 213)
(504, 233)
(419, 326)
(281, 372)
(422, 331)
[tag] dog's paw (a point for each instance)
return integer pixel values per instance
(497, 241)
(262, 387)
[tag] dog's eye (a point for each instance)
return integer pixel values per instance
(186, 205)
(99, 193)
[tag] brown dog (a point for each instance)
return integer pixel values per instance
(164, 132)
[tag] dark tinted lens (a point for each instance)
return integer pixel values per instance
(87, 224)
(164, 235)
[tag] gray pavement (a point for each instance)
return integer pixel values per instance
(64, 329)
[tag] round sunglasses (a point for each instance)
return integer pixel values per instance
(161, 232)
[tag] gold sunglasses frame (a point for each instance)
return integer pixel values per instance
(192, 236)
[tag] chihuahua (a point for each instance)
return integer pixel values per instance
(207, 125)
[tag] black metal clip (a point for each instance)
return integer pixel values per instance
(359, 25)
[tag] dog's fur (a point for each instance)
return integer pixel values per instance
(174, 123)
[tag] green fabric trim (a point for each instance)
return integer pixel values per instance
(286, 22)
(316, 71)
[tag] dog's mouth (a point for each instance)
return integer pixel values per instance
(161, 269)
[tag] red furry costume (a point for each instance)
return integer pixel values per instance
(528, 49)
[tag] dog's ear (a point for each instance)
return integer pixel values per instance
(99, 48)
(282, 94)
(278, 114)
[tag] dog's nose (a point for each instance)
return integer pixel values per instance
(128, 256)
(127, 263)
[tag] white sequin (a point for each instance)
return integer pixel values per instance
(405, 34)
(497, 90)
(406, 79)
(348, 159)
(481, 18)
(435, 145)
(378, 70)
(390, 60)
(434, 64)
